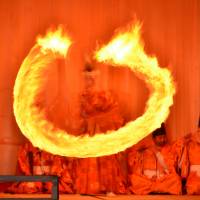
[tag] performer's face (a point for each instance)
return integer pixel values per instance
(160, 140)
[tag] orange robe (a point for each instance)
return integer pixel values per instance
(181, 155)
(153, 171)
(103, 174)
(33, 161)
(193, 179)
(61, 168)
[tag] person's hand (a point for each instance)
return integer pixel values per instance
(166, 171)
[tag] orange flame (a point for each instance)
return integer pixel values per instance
(126, 49)
(55, 42)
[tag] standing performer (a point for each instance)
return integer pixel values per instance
(100, 112)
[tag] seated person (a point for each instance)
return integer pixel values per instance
(32, 161)
(153, 169)
(193, 148)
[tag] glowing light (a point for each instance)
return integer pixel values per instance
(55, 41)
(125, 49)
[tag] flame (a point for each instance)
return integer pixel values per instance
(55, 41)
(125, 49)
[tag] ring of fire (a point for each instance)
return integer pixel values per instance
(124, 50)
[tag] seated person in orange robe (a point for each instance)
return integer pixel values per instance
(101, 113)
(153, 169)
(32, 161)
(193, 148)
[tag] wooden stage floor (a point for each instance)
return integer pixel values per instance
(102, 197)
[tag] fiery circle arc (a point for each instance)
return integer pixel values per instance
(125, 50)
